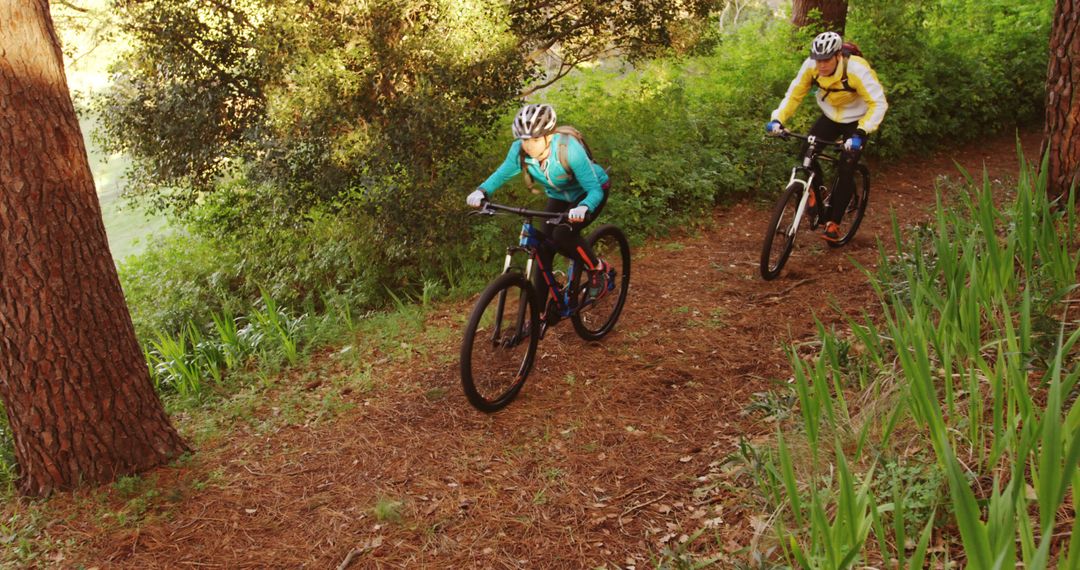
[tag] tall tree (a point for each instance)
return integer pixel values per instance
(1062, 131)
(833, 13)
(78, 395)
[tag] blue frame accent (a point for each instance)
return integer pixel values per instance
(530, 241)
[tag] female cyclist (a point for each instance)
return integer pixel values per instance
(577, 186)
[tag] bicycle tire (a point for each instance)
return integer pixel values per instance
(856, 207)
(596, 320)
(492, 390)
(773, 258)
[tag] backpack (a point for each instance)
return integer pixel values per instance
(560, 152)
(847, 49)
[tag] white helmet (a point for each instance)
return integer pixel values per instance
(534, 121)
(826, 45)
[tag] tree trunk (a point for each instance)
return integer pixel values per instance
(1062, 131)
(833, 13)
(79, 400)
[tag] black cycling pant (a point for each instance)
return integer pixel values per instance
(567, 238)
(828, 129)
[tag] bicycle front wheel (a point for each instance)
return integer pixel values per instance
(500, 341)
(598, 317)
(856, 207)
(780, 235)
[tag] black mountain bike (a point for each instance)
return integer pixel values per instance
(807, 198)
(509, 319)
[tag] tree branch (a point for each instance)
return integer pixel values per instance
(67, 4)
(564, 69)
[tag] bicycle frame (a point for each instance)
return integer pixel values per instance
(809, 169)
(530, 241)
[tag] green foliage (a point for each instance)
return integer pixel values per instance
(175, 363)
(964, 371)
(356, 185)
(680, 135)
(26, 544)
(387, 509)
(317, 99)
(954, 70)
(277, 328)
(181, 279)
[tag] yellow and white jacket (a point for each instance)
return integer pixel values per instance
(865, 104)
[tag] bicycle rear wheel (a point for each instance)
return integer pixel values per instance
(597, 318)
(500, 341)
(780, 235)
(856, 208)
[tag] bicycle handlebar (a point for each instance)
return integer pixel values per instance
(489, 208)
(786, 134)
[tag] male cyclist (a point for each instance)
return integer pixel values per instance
(580, 191)
(852, 104)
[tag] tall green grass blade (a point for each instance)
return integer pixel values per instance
(919, 554)
(791, 485)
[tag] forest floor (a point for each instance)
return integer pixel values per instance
(614, 455)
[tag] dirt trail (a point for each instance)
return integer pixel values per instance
(611, 452)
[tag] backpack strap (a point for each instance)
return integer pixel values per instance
(562, 152)
(525, 174)
(567, 132)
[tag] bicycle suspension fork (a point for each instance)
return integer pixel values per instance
(807, 189)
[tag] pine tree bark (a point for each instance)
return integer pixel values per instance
(80, 403)
(833, 13)
(1061, 139)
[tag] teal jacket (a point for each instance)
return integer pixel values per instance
(587, 179)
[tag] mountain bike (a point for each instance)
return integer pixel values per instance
(507, 323)
(807, 197)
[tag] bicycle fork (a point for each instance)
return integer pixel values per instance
(806, 193)
(522, 309)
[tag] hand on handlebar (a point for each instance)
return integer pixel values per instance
(476, 198)
(855, 142)
(578, 214)
(774, 128)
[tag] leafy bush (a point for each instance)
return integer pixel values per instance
(180, 279)
(954, 70)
